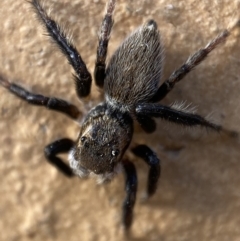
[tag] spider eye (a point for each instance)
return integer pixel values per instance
(115, 152)
(84, 142)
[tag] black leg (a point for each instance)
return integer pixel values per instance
(35, 99)
(82, 78)
(131, 189)
(173, 115)
(191, 62)
(151, 159)
(57, 147)
(100, 65)
(147, 123)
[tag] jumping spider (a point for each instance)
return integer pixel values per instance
(131, 86)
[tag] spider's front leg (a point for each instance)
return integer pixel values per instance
(151, 159)
(100, 65)
(51, 103)
(82, 78)
(52, 150)
(131, 190)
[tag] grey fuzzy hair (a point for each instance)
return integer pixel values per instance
(135, 69)
(183, 106)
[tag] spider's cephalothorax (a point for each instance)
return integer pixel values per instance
(131, 88)
(103, 139)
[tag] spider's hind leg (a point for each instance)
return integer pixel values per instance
(152, 160)
(191, 62)
(105, 31)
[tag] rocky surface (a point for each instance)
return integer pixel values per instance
(199, 192)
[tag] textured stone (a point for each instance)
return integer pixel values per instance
(198, 196)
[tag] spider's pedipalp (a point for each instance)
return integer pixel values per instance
(82, 77)
(52, 150)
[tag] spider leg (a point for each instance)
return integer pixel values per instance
(151, 159)
(191, 62)
(173, 115)
(100, 65)
(131, 189)
(40, 100)
(147, 123)
(82, 77)
(57, 147)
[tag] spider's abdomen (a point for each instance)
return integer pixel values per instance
(134, 71)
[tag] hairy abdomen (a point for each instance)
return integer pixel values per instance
(134, 71)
